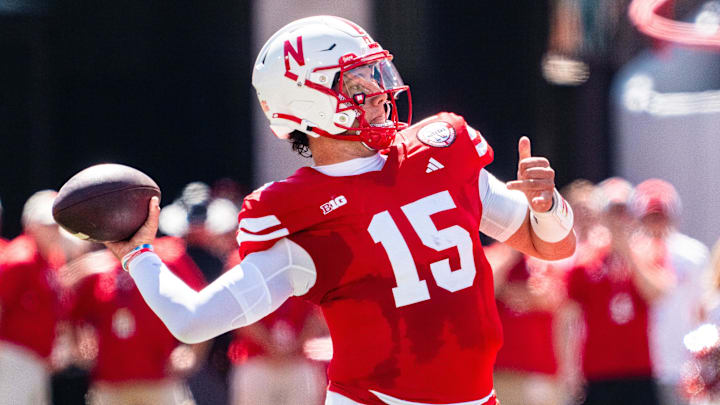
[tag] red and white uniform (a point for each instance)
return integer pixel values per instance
(402, 279)
(616, 319)
(133, 344)
(528, 344)
(29, 298)
(286, 376)
(30, 308)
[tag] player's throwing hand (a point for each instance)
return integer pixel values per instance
(535, 178)
(144, 235)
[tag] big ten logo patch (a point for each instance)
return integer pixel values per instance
(333, 204)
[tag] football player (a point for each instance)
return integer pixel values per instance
(381, 233)
(30, 304)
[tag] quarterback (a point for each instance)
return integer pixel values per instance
(382, 232)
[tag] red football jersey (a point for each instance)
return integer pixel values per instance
(616, 319)
(133, 344)
(402, 279)
(29, 297)
(528, 335)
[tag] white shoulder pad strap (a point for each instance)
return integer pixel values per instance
(503, 210)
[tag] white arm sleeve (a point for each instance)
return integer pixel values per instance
(243, 295)
(503, 210)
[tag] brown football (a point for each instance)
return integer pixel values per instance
(105, 203)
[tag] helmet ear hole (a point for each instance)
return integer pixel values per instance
(343, 119)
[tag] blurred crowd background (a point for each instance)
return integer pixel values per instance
(630, 125)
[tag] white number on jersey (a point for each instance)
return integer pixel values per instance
(410, 289)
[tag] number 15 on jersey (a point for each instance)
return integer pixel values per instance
(410, 289)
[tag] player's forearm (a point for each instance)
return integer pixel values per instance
(554, 250)
(244, 294)
(527, 241)
(190, 316)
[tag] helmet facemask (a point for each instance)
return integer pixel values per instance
(369, 89)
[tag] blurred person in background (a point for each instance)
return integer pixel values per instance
(528, 294)
(270, 360)
(270, 363)
(208, 226)
(132, 356)
(536, 365)
(30, 304)
(569, 326)
(614, 287)
(657, 206)
(711, 303)
(580, 195)
(700, 384)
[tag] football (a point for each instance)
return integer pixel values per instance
(104, 203)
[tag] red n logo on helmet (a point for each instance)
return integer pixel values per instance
(296, 54)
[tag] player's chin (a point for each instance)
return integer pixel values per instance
(382, 123)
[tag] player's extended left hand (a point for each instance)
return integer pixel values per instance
(535, 178)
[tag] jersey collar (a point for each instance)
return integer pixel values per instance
(353, 166)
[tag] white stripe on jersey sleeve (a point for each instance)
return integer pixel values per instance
(259, 224)
(482, 147)
(248, 228)
(243, 236)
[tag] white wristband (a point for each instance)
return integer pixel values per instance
(555, 224)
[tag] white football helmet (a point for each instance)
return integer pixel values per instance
(315, 74)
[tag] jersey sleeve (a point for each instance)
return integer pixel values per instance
(268, 215)
(504, 210)
(447, 138)
(485, 153)
(468, 143)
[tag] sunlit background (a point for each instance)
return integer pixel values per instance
(165, 87)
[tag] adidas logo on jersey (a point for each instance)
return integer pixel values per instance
(333, 204)
(433, 165)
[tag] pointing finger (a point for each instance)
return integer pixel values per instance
(524, 150)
